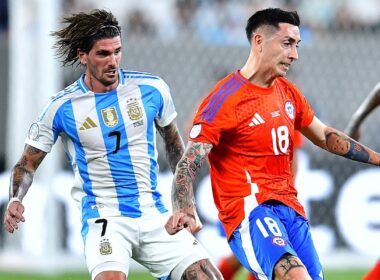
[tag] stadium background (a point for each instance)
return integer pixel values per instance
(191, 44)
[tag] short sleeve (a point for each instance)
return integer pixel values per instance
(167, 111)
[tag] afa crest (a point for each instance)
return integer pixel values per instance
(134, 109)
(110, 117)
(105, 247)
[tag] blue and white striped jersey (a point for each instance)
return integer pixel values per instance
(110, 140)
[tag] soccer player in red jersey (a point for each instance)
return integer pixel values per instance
(245, 127)
(353, 129)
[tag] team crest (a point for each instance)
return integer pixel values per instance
(279, 241)
(105, 247)
(289, 109)
(134, 109)
(110, 116)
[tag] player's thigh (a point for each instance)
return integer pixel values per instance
(108, 244)
(161, 252)
(290, 267)
(261, 241)
(302, 242)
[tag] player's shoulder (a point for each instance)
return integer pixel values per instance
(140, 78)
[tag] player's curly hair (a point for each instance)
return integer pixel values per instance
(83, 30)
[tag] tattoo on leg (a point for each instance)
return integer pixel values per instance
(201, 270)
(289, 262)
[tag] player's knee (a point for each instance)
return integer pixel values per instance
(203, 270)
(111, 275)
(290, 268)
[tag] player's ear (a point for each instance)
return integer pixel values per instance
(82, 56)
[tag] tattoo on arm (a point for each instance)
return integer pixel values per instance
(23, 171)
(187, 168)
(287, 263)
(173, 144)
(342, 145)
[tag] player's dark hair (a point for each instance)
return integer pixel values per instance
(83, 30)
(272, 17)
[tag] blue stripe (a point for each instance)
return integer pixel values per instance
(241, 78)
(215, 97)
(70, 129)
(120, 163)
(121, 77)
(141, 77)
(149, 97)
(70, 89)
(222, 100)
(218, 98)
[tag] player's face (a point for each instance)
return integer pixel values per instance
(279, 49)
(102, 63)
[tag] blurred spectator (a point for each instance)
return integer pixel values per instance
(139, 25)
(4, 20)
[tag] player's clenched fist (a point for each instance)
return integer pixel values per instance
(179, 221)
(13, 215)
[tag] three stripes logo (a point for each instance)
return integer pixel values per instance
(256, 120)
(88, 123)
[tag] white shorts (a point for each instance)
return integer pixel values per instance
(111, 242)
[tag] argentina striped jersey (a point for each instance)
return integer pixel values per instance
(110, 141)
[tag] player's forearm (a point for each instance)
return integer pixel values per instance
(174, 145)
(21, 180)
(187, 169)
(339, 143)
(23, 172)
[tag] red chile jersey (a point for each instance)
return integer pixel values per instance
(252, 132)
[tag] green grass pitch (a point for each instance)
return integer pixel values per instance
(329, 275)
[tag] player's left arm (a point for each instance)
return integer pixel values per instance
(337, 142)
(174, 145)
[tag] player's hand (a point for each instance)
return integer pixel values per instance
(179, 221)
(13, 216)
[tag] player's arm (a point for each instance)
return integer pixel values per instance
(21, 180)
(184, 208)
(337, 142)
(174, 145)
(368, 105)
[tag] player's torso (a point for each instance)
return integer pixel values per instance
(111, 140)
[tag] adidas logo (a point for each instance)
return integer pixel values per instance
(256, 120)
(88, 123)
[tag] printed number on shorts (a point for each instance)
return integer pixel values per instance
(280, 139)
(104, 226)
(270, 224)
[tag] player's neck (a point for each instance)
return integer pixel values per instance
(96, 86)
(255, 76)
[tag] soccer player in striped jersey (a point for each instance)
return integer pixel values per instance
(353, 129)
(245, 127)
(107, 121)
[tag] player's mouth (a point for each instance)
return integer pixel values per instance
(111, 73)
(285, 66)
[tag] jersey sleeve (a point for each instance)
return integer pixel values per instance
(44, 132)
(304, 111)
(214, 116)
(167, 112)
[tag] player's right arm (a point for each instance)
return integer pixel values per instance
(21, 180)
(368, 105)
(183, 200)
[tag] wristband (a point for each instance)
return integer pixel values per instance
(13, 199)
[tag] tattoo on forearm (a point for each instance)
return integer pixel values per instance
(347, 147)
(187, 168)
(23, 172)
(173, 144)
(287, 263)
